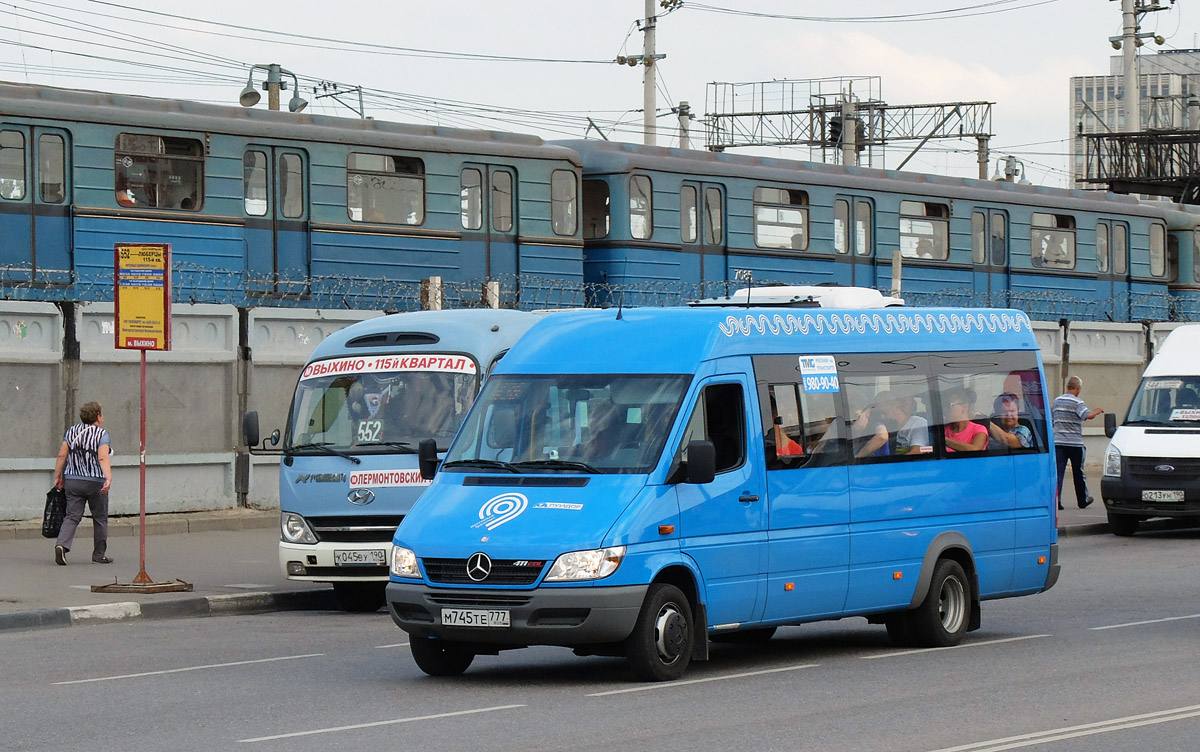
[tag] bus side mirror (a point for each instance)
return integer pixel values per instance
(701, 462)
(250, 434)
(1110, 424)
(427, 458)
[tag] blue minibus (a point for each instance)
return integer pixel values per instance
(641, 482)
(367, 395)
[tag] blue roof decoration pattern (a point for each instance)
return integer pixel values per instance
(914, 322)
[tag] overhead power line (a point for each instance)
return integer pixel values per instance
(981, 9)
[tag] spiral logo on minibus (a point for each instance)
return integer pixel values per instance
(500, 509)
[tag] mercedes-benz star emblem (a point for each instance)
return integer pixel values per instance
(361, 496)
(479, 566)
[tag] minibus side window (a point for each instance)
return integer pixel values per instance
(801, 428)
(719, 417)
(888, 406)
(996, 394)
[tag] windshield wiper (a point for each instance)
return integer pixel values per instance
(324, 447)
(480, 462)
(403, 446)
(1145, 422)
(561, 464)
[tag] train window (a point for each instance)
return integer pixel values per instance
(291, 186)
(978, 237)
(1158, 250)
(596, 216)
(1120, 248)
(865, 245)
(641, 207)
(502, 201)
(254, 182)
(470, 198)
(158, 172)
(714, 229)
(1102, 247)
(385, 189)
(780, 218)
(52, 173)
(687, 214)
(999, 239)
(563, 200)
(12, 165)
(924, 230)
(841, 226)
(1052, 240)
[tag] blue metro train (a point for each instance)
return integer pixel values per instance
(269, 208)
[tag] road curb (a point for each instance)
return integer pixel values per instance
(316, 599)
(165, 523)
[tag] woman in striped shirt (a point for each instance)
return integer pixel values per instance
(84, 471)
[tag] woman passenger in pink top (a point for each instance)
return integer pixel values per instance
(961, 434)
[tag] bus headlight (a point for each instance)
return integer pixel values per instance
(294, 529)
(404, 563)
(1112, 462)
(586, 565)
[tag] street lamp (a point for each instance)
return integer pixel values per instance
(273, 85)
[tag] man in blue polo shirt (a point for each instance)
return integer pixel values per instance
(1068, 413)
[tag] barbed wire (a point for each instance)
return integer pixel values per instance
(194, 283)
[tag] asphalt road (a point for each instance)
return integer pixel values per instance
(1104, 661)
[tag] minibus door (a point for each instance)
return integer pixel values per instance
(989, 256)
(489, 217)
(723, 524)
(278, 231)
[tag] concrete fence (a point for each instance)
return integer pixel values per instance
(225, 360)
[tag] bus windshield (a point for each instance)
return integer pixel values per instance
(1166, 401)
(607, 423)
(378, 412)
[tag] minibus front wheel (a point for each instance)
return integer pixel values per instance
(440, 657)
(660, 647)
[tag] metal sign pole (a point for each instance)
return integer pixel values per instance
(142, 578)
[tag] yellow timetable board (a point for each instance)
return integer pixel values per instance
(142, 298)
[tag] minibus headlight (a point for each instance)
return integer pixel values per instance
(1112, 462)
(294, 529)
(404, 563)
(586, 565)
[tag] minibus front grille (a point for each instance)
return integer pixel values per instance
(479, 598)
(504, 572)
(350, 529)
(1148, 468)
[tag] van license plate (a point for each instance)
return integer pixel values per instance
(1162, 495)
(473, 617)
(375, 557)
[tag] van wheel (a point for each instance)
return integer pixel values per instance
(941, 619)
(360, 597)
(1123, 525)
(439, 657)
(746, 636)
(900, 630)
(660, 647)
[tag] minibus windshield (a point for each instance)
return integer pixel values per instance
(1166, 401)
(383, 412)
(606, 423)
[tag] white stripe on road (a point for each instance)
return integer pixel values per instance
(381, 723)
(1148, 621)
(192, 668)
(672, 685)
(922, 651)
(1072, 732)
(397, 645)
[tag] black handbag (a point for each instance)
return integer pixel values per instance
(56, 510)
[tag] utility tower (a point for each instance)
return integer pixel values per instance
(647, 59)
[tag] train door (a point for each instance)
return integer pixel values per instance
(702, 228)
(278, 229)
(989, 255)
(489, 202)
(35, 216)
(854, 238)
(1112, 267)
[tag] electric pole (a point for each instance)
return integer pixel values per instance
(648, 107)
(1133, 87)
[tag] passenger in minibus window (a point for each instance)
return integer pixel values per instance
(1005, 427)
(963, 435)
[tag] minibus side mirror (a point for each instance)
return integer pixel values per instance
(701, 462)
(427, 458)
(250, 434)
(1110, 424)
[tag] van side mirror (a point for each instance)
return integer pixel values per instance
(250, 434)
(1110, 424)
(701, 462)
(427, 458)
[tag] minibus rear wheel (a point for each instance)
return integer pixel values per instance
(660, 647)
(439, 657)
(941, 619)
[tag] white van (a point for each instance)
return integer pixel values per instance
(1152, 466)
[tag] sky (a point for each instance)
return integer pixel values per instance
(546, 66)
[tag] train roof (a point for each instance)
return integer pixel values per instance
(679, 340)
(23, 100)
(601, 157)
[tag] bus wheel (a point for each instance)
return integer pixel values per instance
(1123, 525)
(941, 619)
(440, 658)
(660, 647)
(900, 630)
(360, 597)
